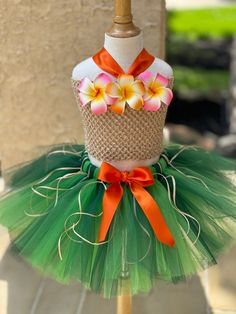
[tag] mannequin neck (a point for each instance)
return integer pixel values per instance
(124, 50)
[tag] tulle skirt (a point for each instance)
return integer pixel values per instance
(52, 208)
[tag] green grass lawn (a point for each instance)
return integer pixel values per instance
(200, 23)
(202, 82)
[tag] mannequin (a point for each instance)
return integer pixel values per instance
(124, 51)
(124, 42)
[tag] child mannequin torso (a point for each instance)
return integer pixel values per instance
(124, 51)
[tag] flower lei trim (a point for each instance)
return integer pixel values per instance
(148, 91)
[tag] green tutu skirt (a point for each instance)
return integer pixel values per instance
(52, 208)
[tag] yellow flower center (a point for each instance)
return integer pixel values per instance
(152, 90)
(126, 92)
(99, 93)
(155, 88)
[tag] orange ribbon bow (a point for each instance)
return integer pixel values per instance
(137, 179)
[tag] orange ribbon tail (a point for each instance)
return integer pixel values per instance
(110, 202)
(153, 214)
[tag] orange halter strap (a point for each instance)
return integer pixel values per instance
(107, 63)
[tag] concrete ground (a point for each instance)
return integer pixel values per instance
(24, 291)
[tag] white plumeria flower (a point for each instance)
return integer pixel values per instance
(156, 91)
(126, 89)
(94, 93)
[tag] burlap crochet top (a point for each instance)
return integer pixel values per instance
(135, 135)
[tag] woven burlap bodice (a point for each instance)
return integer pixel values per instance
(135, 135)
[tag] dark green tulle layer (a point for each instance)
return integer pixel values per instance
(53, 209)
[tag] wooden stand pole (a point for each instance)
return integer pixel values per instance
(123, 26)
(124, 300)
(124, 304)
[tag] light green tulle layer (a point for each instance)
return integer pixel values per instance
(53, 209)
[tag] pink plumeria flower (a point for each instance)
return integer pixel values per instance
(156, 91)
(126, 89)
(94, 92)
